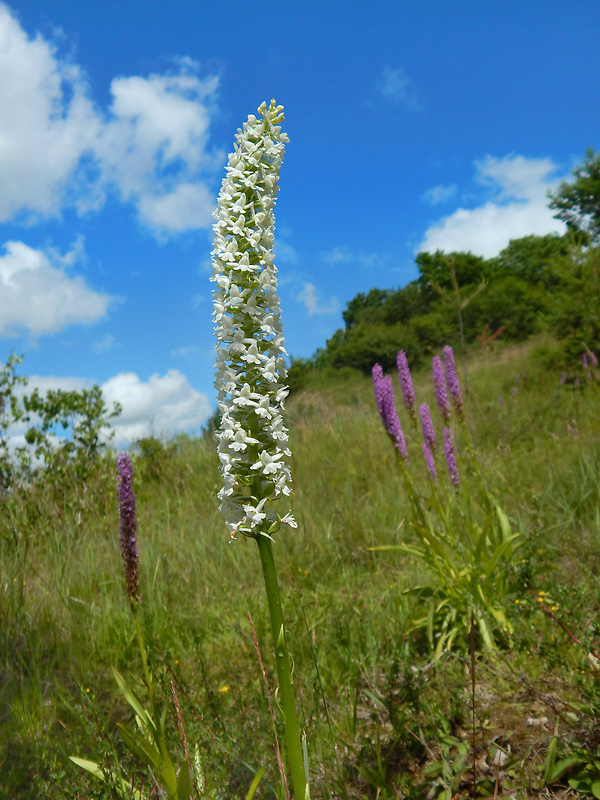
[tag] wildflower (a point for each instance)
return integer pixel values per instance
(451, 457)
(384, 394)
(406, 384)
(452, 381)
(441, 395)
(429, 461)
(593, 359)
(128, 527)
(427, 426)
(584, 360)
(250, 368)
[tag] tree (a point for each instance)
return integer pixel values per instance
(578, 203)
(364, 307)
(536, 259)
(82, 415)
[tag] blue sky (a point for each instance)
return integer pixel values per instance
(412, 126)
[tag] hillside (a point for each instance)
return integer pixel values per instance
(382, 715)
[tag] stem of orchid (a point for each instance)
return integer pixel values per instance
(142, 646)
(284, 672)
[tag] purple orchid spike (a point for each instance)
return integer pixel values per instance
(406, 384)
(451, 458)
(430, 462)
(128, 527)
(441, 395)
(384, 394)
(427, 426)
(452, 382)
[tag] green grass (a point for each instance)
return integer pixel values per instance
(66, 622)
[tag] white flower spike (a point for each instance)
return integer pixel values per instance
(250, 369)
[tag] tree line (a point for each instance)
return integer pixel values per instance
(537, 283)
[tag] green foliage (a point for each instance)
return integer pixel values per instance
(576, 316)
(65, 622)
(362, 345)
(81, 416)
(509, 303)
(436, 271)
(465, 540)
(578, 202)
(364, 308)
(534, 259)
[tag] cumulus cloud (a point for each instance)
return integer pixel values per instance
(518, 207)
(308, 296)
(395, 85)
(48, 122)
(162, 405)
(39, 296)
(58, 148)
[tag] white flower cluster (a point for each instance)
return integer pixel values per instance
(250, 368)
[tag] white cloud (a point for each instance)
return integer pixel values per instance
(161, 405)
(285, 252)
(519, 207)
(153, 150)
(342, 255)
(107, 342)
(47, 125)
(309, 297)
(337, 255)
(38, 295)
(439, 194)
(185, 352)
(397, 86)
(58, 148)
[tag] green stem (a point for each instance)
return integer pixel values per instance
(142, 646)
(284, 672)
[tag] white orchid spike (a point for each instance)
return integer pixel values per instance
(250, 368)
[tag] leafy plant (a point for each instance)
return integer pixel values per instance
(464, 537)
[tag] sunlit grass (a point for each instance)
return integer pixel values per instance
(65, 620)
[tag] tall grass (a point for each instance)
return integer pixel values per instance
(65, 620)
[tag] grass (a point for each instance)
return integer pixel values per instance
(381, 717)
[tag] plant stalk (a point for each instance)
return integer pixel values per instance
(284, 672)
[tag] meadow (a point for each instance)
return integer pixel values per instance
(384, 716)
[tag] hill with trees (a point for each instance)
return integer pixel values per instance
(536, 284)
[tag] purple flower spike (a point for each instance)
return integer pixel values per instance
(584, 361)
(430, 461)
(427, 426)
(451, 458)
(384, 394)
(406, 384)
(563, 377)
(593, 359)
(452, 381)
(128, 527)
(441, 395)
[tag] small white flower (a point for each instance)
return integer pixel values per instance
(268, 464)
